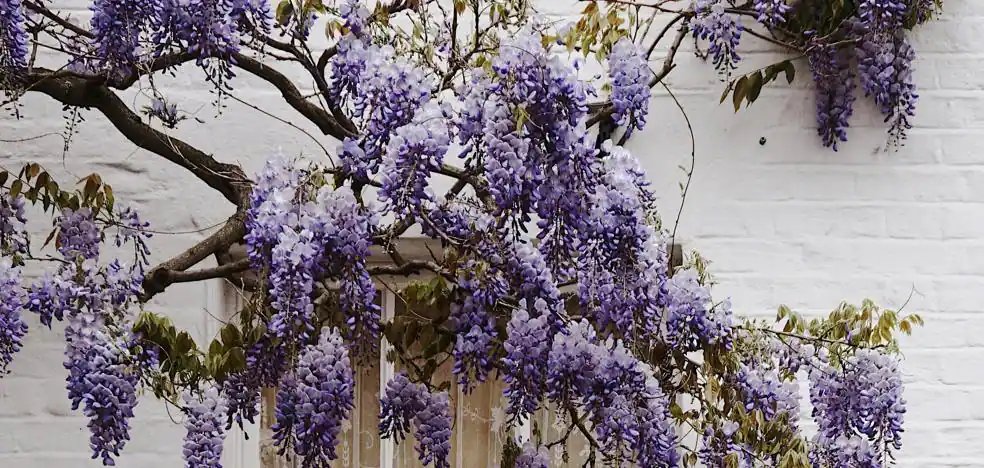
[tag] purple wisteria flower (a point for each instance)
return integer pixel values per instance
(314, 402)
(834, 80)
(242, 396)
(100, 383)
(533, 457)
(117, 26)
(205, 423)
(385, 91)
(883, 16)
(13, 232)
(414, 152)
(13, 37)
(763, 390)
(885, 69)
(858, 408)
(623, 266)
(630, 75)
(480, 287)
(721, 30)
(692, 320)
(404, 402)
(524, 366)
(12, 327)
(53, 295)
(720, 450)
(433, 430)
(771, 13)
(400, 401)
(78, 235)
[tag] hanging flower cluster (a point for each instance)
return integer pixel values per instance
(205, 425)
(858, 409)
(404, 402)
(313, 403)
(12, 327)
(630, 77)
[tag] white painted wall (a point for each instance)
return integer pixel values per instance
(785, 222)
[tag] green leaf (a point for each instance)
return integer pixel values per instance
(231, 336)
(740, 91)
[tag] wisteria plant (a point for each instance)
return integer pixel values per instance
(476, 124)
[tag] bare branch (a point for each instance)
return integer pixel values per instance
(167, 273)
(228, 179)
(324, 120)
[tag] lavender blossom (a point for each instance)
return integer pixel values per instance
(835, 86)
(885, 69)
(12, 328)
(13, 37)
(859, 408)
(771, 13)
(117, 26)
(524, 366)
(630, 75)
(692, 321)
(480, 288)
(721, 30)
(314, 403)
(13, 232)
(719, 449)
(433, 430)
(883, 15)
(622, 269)
(78, 235)
(205, 425)
(533, 457)
(100, 383)
(415, 151)
(398, 404)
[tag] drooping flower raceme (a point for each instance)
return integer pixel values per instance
(404, 402)
(345, 228)
(885, 69)
(414, 152)
(481, 285)
(692, 320)
(205, 423)
(13, 37)
(78, 235)
(721, 30)
(858, 408)
(630, 77)
(13, 235)
(622, 268)
(117, 26)
(524, 365)
(433, 430)
(533, 457)
(771, 13)
(764, 391)
(12, 327)
(718, 447)
(398, 404)
(386, 92)
(834, 81)
(313, 404)
(100, 383)
(883, 15)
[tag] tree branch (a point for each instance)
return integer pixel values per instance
(173, 270)
(324, 120)
(228, 179)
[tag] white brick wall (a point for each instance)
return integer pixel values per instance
(787, 222)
